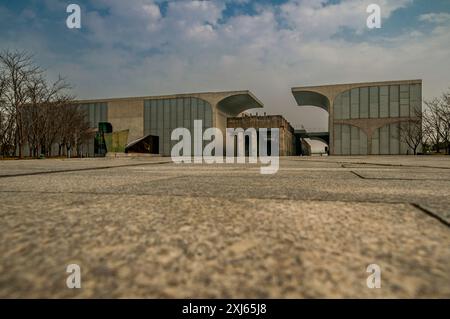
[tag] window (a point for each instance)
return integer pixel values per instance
(374, 110)
(384, 101)
(364, 103)
(354, 103)
(394, 110)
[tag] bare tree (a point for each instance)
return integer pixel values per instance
(436, 121)
(33, 116)
(444, 117)
(79, 133)
(73, 128)
(20, 74)
(431, 123)
(35, 113)
(411, 132)
(18, 68)
(7, 120)
(54, 108)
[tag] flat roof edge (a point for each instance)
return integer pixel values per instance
(302, 88)
(175, 95)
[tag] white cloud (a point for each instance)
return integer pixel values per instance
(437, 18)
(136, 50)
(314, 19)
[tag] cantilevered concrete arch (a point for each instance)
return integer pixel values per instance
(306, 97)
(230, 104)
(238, 102)
(326, 96)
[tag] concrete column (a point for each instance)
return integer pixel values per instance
(369, 143)
(331, 126)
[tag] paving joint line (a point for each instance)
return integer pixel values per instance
(431, 214)
(200, 196)
(81, 169)
(398, 178)
(365, 163)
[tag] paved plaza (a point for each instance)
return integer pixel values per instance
(149, 228)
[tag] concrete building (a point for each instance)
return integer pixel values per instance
(286, 132)
(159, 115)
(364, 118)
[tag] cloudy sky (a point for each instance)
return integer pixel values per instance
(145, 47)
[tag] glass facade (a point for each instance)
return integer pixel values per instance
(162, 116)
(378, 102)
(386, 140)
(374, 102)
(349, 140)
(96, 112)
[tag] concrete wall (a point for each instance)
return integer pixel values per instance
(127, 114)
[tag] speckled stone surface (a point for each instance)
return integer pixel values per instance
(141, 228)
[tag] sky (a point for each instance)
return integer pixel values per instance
(145, 47)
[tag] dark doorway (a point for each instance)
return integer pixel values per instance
(99, 140)
(148, 144)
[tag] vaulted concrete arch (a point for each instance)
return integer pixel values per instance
(236, 103)
(305, 97)
(229, 104)
(325, 97)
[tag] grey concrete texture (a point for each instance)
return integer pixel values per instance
(148, 228)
